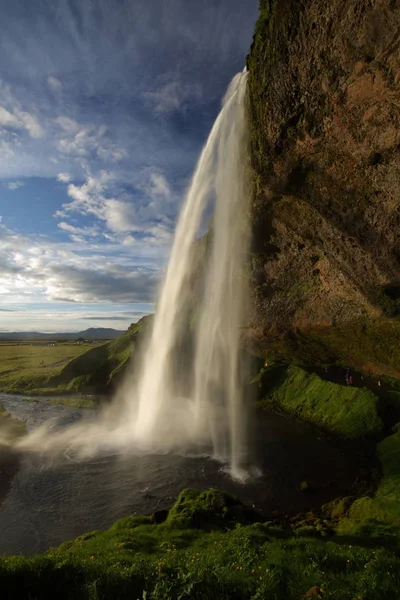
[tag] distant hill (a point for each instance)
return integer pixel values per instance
(94, 333)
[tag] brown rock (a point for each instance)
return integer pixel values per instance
(324, 108)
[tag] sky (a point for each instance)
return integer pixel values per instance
(104, 108)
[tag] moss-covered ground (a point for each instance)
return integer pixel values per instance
(349, 411)
(9, 428)
(208, 548)
(379, 516)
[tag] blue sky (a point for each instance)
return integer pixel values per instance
(104, 107)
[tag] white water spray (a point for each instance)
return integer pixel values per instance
(148, 412)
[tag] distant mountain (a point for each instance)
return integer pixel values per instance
(94, 333)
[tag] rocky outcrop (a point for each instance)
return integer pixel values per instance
(324, 107)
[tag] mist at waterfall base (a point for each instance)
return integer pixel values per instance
(201, 409)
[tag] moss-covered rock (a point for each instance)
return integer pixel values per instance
(209, 510)
(338, 508)
(379, 514)
(347, 411)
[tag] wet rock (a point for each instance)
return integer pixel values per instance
(159, 516)
(324, 135)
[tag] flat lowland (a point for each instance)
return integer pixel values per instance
(23, 364)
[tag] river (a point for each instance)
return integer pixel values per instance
(43, 503)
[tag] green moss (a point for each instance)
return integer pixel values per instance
(134, 560)
(380, 514)
(75, 402)
(209, 509)
(9, 428)
(337, 509)
(348, 411)
(131, 522)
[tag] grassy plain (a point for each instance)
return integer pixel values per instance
(58, 368)
(25, 366)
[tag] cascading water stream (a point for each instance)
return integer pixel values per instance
(148, 413)
(219, 413)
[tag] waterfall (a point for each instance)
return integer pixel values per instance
(215, 409)
(150, 412)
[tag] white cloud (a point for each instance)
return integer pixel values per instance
(14, 185)
(68, 125)
(20, 119)
(34, 269)
(119, 215)
(55, 84)
(159, 185)
(7, 119)
(30, 123)
(143, 220)
(88, 140)
(173, 96)
(78, 232)
(64, 177)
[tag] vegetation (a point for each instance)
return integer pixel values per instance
(347, 411)
(379, 516)
(9, 428)
(370, 345)
(67, 368)
(24, 366)
(211, 558)
(75, 401)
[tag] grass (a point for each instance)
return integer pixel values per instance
(139, 560)
(347, 411)
(379, 515)
(75, 401)
(25, 366)
(68, 368)
(9, 428)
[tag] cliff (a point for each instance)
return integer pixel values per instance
(324, 112)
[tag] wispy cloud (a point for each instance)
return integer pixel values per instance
(33, 267)
(55, 84)
(111, 101)
(20, 119)
(64, 177)
(174, 96)
(13, 185)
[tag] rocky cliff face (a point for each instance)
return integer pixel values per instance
(324, 107)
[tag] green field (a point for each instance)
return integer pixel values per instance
(52, 368)
(24, 365)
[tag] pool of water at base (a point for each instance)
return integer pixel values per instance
(43, 503)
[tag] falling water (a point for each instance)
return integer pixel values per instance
(149, 412)
(215, 409)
